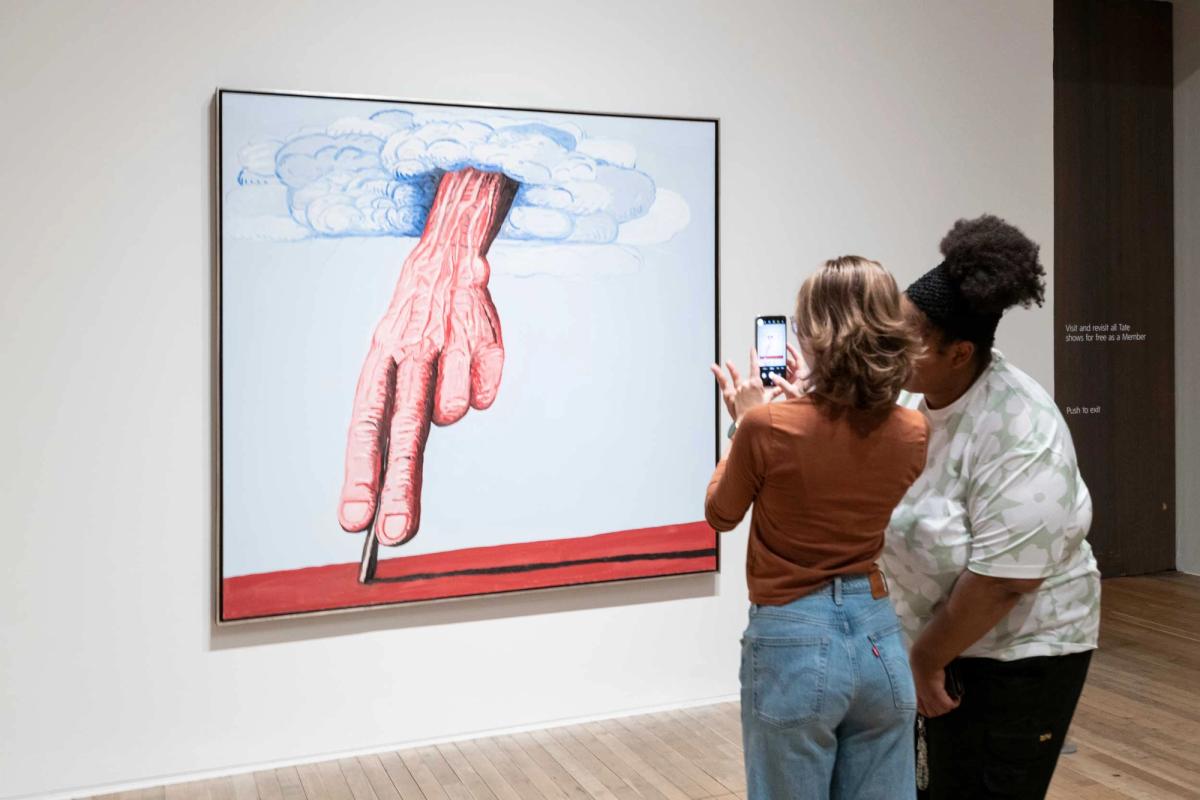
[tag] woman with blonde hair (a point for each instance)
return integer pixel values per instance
(828, 703)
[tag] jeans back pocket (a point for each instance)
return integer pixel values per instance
(890, 645)
(788, 679)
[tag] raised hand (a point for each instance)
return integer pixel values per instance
(436, 352)
(740, 395)
(728, 386)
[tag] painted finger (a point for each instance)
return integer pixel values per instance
(400, 500)
(487, 361)
(365, 441)
(453, 394)
(486, 368)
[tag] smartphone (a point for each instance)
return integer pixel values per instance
(770, 341)
(954, 686)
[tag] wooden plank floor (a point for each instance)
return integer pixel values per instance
(1137, 729)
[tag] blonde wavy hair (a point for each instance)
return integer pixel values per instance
(851, 327)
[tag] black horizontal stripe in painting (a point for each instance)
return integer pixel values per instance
(534, 567)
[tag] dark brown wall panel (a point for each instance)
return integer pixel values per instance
(1114, 270)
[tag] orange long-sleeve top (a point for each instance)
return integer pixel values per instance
(823, 483)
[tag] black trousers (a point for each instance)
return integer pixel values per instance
(1004, 738)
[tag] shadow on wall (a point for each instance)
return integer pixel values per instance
(450, 612)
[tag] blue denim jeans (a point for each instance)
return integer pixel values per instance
(828, 704)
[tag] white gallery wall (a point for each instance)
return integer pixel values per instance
(1187, 282)
(860, 127)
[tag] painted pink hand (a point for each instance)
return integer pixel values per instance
(436, 352)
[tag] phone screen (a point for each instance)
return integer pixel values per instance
(770, 340)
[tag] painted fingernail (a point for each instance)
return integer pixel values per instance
(356, 512)
(395, 525)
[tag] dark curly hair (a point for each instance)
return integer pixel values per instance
(994, 264)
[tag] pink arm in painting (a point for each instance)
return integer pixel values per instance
(436, 352)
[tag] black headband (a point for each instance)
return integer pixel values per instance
(938, 295)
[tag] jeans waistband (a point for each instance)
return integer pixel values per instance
(850, 584)
(844, 585)
(837, 588)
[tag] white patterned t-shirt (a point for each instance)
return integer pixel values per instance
(1001, 496)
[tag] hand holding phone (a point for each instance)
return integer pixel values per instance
(954, 685)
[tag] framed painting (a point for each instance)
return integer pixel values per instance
(463, 350)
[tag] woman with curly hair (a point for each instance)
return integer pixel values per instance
(992, 576)
(828, 702)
